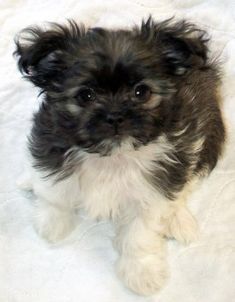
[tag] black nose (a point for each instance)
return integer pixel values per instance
(114, 118)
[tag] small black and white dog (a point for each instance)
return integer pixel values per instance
(130, 118)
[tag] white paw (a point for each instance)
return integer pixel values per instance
(53, 224)
(144, 275)
(24, 182)
(183, 226)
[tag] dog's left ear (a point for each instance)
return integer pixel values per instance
(180, 46)
(41, 52)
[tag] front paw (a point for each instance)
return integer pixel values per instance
(144, 275)
(24, 182)
(182, 226)
(53, 224)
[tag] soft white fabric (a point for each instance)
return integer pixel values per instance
(82, 267)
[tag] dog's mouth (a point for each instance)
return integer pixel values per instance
(110, 145)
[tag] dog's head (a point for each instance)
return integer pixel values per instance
(106, 86)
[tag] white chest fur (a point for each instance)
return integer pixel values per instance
(104, 186)
(110, 184)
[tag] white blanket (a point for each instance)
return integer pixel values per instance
(81, 269)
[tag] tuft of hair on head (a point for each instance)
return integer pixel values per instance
(41, 51)
(183, 45)
(44, 54)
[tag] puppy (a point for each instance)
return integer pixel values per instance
(129, 119)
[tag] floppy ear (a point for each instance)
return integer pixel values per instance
(41, 53)
(182, 45)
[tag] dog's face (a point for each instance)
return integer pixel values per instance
(103, 87)
(114, 92)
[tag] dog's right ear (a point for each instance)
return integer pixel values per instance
(181, 45)
(41, 52)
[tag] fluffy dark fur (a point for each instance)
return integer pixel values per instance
(89, 79)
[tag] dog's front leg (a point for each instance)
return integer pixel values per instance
(55, 206)
(142, 263)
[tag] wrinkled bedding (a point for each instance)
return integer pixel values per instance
(81, 269)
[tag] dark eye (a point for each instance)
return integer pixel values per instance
(86, 95)
(142, 92)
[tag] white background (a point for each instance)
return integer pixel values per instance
(81, 268)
